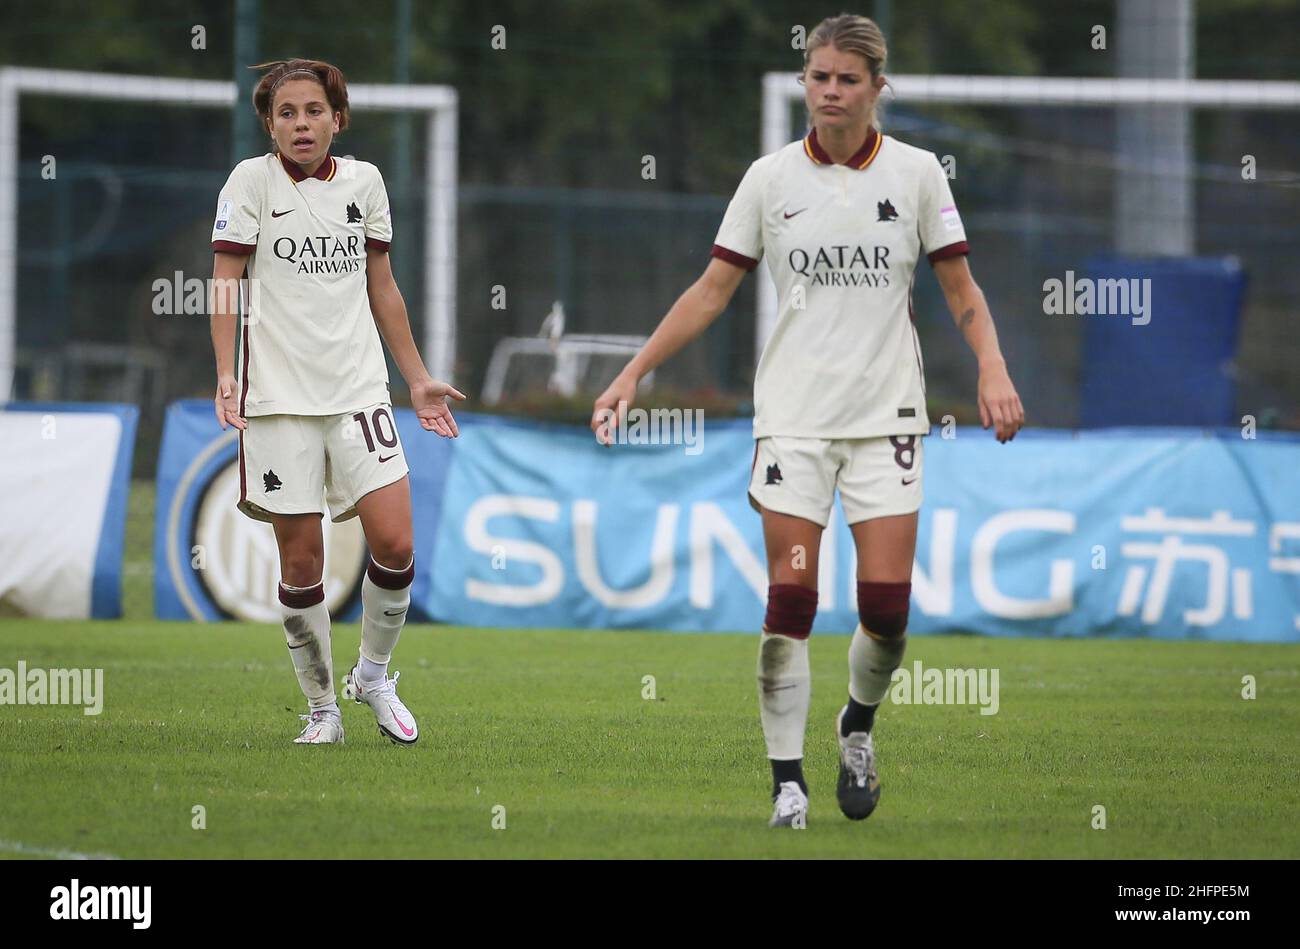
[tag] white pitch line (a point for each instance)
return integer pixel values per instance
(15, 846)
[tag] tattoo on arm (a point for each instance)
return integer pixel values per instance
(965, 319)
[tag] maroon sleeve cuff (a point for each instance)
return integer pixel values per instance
(952, 250)
(232, 247)
(374, 243)
(731, 257)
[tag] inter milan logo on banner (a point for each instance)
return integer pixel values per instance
(217, 563)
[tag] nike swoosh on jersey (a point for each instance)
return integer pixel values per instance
(282, 213)
(800, 211)
(382, 459)
(905, 481)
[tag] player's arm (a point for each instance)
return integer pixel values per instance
(227, 271)
(999, 404)
(690, 316)
(428, 396)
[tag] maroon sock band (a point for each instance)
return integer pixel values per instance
(303, 599)
(882, 607)
(387, 579)
(790, 610)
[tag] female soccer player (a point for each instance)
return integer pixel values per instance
(843, 217)
(311, 399)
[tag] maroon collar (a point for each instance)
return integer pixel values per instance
(859, 160)
(325, 172)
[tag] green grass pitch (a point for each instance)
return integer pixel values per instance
(552, 726)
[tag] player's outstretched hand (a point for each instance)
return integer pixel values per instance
(227, 403)
(999, 404)
(430, 403)
(610, 412)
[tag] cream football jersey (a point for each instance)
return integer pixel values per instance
(842, 243)
(310, 345)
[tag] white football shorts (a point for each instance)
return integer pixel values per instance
(876, 477)
(301, 464)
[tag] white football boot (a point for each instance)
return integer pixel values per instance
(395, 719)
(790, 808)
(858, 789)
(323, 728)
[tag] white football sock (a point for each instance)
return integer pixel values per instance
(784, 690)
(383, 613)
(371, 671)
(307, 632)
(871, 665)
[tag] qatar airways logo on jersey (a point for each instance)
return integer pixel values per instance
(842, 265)
(320, 254)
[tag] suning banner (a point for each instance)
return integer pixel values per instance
(1174, 534)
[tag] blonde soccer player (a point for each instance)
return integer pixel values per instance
(843, 218)
(310, 399)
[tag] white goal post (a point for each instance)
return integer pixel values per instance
(438, 102)
(781, 90)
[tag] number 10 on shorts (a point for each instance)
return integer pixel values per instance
(379, 426)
